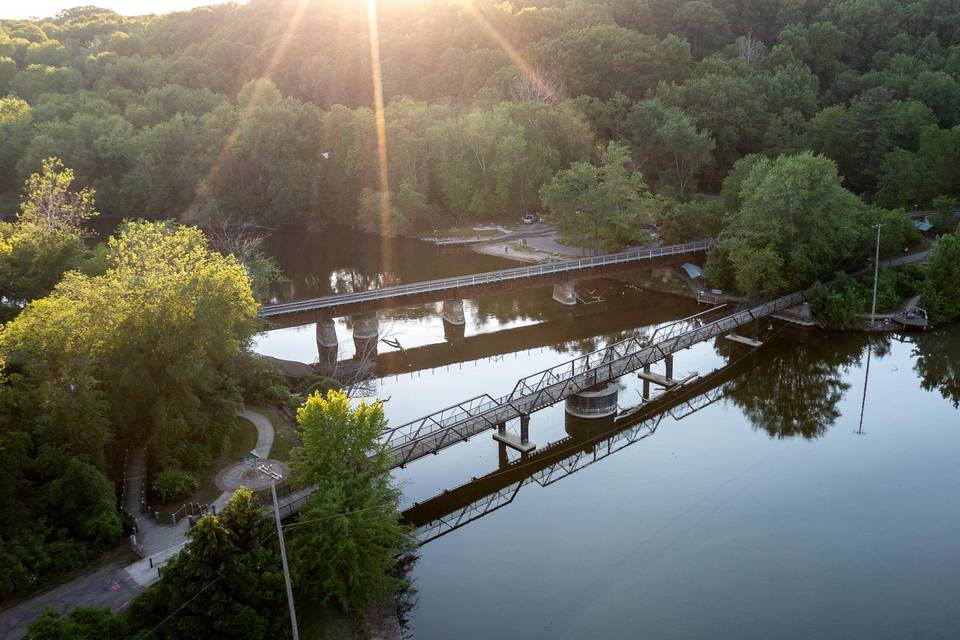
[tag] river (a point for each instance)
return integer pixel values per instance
(799, 497)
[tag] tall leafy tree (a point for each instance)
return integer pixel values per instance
(46, 240)
(940, 291)
(671, 142)
(605, 205)
(227, 582)
(348, 536)
(796, 224)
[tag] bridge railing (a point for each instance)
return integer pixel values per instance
(438, 421)
(489, 277)
(596, 359)
(545, 387)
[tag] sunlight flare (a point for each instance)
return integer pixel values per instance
(525, 68)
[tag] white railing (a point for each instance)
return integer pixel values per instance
(480, 279)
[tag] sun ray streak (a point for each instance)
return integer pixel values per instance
(510, 50)
(386, 224)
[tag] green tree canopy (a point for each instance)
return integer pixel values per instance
(605, 205)
(348, 536)
(940, 291)
(796, 224)
(227, 582)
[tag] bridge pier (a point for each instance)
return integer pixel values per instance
(597, 402)
(502, 459)
(521, 443)
(454, 322)
(453, 312)
(366, 335)
(666, 381)
(566, 293)
(327, 342)
(750, 342)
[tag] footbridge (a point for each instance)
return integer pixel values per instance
(447, 427)
(444, 428)
(458, 287)
(457, 507)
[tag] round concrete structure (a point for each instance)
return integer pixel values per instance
(599, 402)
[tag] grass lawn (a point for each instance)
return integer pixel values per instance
(242, 438)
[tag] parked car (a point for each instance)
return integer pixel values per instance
(529, 218)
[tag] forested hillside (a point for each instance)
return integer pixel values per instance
(263, 112)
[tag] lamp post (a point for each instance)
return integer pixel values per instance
(876, 273)
(274, 476)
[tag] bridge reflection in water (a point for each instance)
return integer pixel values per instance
(587, 442)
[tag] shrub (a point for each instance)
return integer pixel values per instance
(838, 303)
(173, 484)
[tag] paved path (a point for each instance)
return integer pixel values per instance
(115, 586)
(109, 586)
(264, 431)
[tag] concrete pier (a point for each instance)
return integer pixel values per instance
(366, 334)
(744, 340)
(519, 443)
(327, 333)
(454, 322)
(327, 343)
(453, 312)
(453, 333)
(566, 293)
(599, 402)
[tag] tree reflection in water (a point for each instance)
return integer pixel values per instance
(937, 363)
(795, 383)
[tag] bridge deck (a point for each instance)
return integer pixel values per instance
(444, 428)
(459, 285)
(461, 505)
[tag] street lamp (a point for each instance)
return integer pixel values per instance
(876, 273)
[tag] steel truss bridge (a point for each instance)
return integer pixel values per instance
(457, 287)
(444, 428)
(460, 506)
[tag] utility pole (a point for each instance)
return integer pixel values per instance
(283, 558)
(876, 273)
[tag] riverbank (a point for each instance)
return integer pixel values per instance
(541, 244)
(907, 316)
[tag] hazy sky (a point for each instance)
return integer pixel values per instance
(47, 8)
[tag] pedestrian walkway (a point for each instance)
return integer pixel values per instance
(115, 586)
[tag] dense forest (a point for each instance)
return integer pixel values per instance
(815, 119)
(263, 112)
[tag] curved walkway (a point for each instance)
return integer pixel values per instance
(114, 586)
(264, 431)
(262, 449)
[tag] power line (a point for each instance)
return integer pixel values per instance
(240, 557)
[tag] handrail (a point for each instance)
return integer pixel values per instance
(435, 431)
(488, 277)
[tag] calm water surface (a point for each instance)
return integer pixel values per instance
(785, 503)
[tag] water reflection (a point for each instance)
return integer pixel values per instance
(586, 442)
(937, 355)
(796, 389)
(319, 262)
